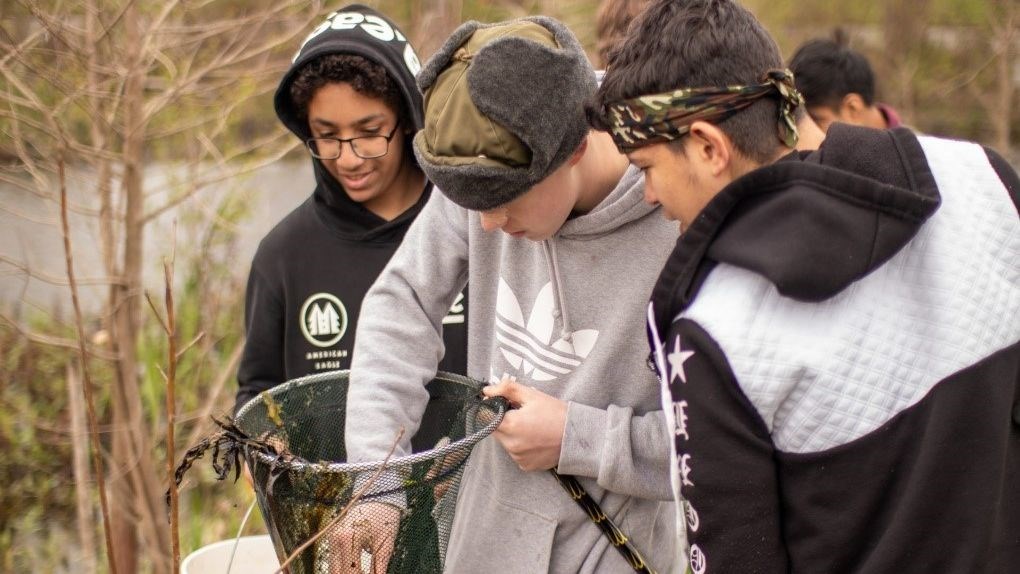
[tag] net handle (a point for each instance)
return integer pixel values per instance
(616, 537)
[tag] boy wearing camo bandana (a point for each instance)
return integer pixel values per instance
(836, 331)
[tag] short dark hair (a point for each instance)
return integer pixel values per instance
(694, 44)
(827, 70)
(366, 77)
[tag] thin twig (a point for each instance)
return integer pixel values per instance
(205, 182)
(218, 385)
(171, 401)
(188, 347)
(343, 512)
(162, 322)
(53, 279)
(55, 341)
(87, 383)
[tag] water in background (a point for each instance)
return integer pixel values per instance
(30, 234)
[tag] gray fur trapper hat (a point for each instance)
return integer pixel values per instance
(504, 108)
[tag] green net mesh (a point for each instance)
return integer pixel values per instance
(302, 481)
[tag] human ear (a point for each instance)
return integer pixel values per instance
(852, 107)
(710, 147)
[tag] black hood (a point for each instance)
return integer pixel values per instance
(359, 30)
(812, 223)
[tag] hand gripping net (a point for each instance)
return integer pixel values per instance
(302, 482)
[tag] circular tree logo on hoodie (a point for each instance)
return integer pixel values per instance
(323, 320)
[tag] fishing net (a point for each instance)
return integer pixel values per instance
(292, 439)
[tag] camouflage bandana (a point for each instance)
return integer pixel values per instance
(659, 118)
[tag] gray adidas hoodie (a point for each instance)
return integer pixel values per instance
(565, 316)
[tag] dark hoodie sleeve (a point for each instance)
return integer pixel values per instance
(1007, 174)
(726, 461)
(261, 365)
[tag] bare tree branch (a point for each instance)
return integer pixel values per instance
(54, 29)
(226, 374)
(15, 51)
(96, 81)
(53, 279)
(49, 221)
(171, 403)
(190, 344)
(203, 183)
(53, 341)
(237, 53)
(162, 322)
(87, 384)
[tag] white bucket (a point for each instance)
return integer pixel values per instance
(255, 555)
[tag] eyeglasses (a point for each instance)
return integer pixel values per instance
(365, 147)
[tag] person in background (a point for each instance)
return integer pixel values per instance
(836, 332)
(350, 97)
(611, 21)
(838, 85)
(544, 219)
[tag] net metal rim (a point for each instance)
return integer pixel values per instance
(359, 467)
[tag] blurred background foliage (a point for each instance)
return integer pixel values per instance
(949, 66)
(938, 61)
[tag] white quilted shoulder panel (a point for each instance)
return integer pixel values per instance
(824, 374)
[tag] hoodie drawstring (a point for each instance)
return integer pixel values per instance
(559, 309)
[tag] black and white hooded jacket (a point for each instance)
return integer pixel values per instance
(837, 340)
(311, 272)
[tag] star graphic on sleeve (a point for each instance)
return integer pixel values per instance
(676, 361)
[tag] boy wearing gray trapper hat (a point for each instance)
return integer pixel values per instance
(558, 302)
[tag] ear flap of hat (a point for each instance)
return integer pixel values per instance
(455, 128)
(539, 108)
(504, 107)
(456, 131)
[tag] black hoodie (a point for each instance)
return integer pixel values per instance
(837, 340)
(311, 272)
